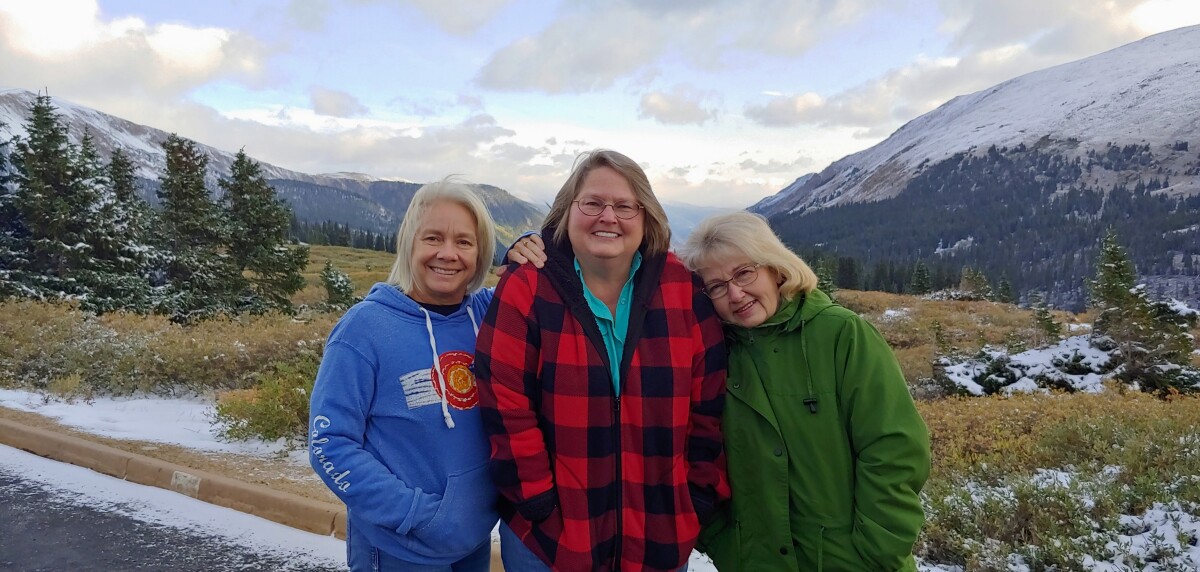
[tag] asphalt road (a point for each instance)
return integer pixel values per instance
(48, 528)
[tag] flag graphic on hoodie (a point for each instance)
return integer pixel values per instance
(457, 368)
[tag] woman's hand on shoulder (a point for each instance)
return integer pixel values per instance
(527, 250)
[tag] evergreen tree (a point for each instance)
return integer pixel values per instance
(1003, 291)
(1049, 330)
(920, 283)
(202, 278)
(13, 236)
(824, 270)
(339, 290)
(1154, 352)
(848, 273)
(258, 224)
(52, 202)
(122, 252)
(975, 284)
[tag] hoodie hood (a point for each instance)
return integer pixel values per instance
(790, 316)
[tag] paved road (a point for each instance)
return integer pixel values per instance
(47, 526)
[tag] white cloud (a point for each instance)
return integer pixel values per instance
(460, 17)
(776, 167)
(68, 46)
(578, 53)
(1157, 16)
(335, 103)
(785, 111)
(994, 42)
(592, 45)
(681, 105)
(308, 14)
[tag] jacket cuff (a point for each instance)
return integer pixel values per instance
(538, 508)
(703, 502)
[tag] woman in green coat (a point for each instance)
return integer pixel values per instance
(827, 453)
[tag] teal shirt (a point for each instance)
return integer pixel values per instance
(613, 331)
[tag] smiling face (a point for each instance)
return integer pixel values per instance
(604, 238)
(444, 254)
(747, 305)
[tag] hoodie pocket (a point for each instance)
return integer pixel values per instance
(466, 515)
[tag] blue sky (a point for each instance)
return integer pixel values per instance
(722, 101)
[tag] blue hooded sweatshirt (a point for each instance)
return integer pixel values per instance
(399, 442)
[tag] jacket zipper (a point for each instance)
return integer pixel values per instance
(617, 425)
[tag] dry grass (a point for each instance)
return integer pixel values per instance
(57, 346)
(966, 326)
(364, 267)
(987, 498)
(1047, 478)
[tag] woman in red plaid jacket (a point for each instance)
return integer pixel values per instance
(601, 382)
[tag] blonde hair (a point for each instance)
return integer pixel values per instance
(446, 190)
(656, 235)
(747, 234)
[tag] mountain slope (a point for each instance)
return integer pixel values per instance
(354, 199)
(1022, 179)
(1144, 92)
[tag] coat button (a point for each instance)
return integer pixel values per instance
(783, 551)
(737, 385)
(778, 452)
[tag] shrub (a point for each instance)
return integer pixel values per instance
(275, 408)
(1051, 482)
(118, 353)
(339, 290)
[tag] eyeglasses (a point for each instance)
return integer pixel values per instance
(742, 277)
(593, 207)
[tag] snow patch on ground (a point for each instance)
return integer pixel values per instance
(168, 508)
(184, 422)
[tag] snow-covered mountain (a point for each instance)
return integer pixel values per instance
(356, 199)
(1146, 92)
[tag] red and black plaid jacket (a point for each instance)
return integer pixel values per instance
(588, 480)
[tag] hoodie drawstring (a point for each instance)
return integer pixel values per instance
(474, 324)
(436, 369)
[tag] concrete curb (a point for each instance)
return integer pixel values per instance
(306, 514)
(285, 508)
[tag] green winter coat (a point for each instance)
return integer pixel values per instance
(827, 453)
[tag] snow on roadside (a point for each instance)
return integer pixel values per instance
(183, 422)
(171, 509)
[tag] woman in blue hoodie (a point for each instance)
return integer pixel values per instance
(394, 426)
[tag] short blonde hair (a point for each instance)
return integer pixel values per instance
(656, 235)
(447, 190)
(747, 234)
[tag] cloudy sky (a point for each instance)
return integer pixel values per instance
(722, 101)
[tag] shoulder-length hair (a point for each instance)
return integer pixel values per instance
(448, 190)
(747, 234)
(656, 237)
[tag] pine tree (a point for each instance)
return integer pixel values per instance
(202, 278)
(1049, 330)
(258, 224)
(13, 235)
(339, 290)
(122, 252)
(53, 201)
(920, 283)
(825, 270)
(1003, 292)
(975, 284)
(1154, 352)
